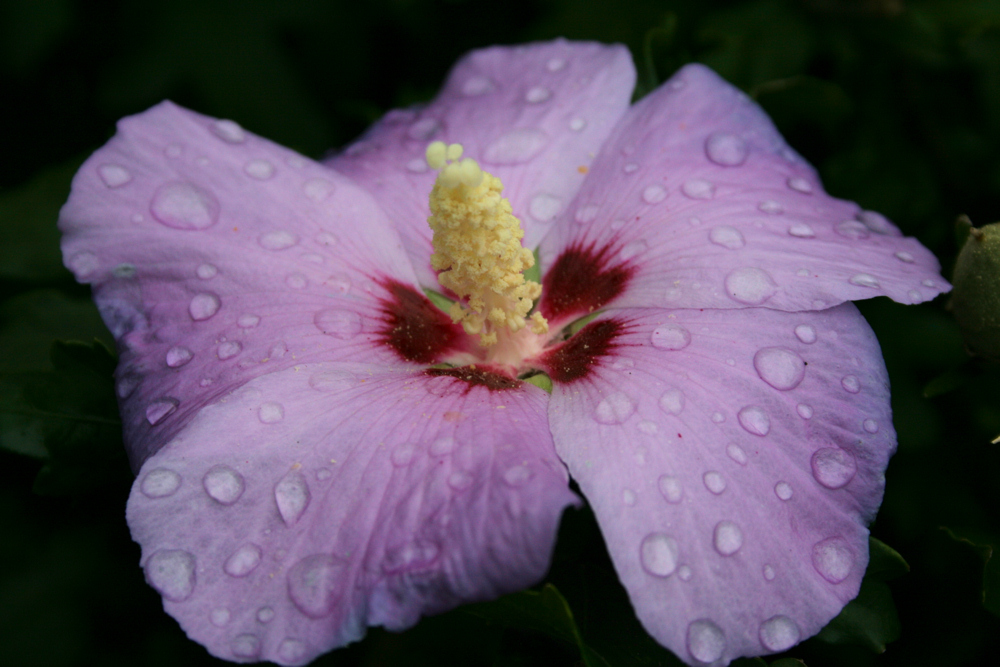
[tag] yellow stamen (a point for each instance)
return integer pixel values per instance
(477, 248)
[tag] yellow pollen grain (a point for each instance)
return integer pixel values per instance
(477, 248)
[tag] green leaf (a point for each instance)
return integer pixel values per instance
(884, 562)
(439, 300)
(985, 546)
(20, 431)
(534, 274)
(541, 380)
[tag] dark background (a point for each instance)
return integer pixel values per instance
(896, 102)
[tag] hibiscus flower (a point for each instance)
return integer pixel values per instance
(319, 448)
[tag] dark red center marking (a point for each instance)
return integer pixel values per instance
(581, 281)
(477, 377)
(574, 359)
(414, 328)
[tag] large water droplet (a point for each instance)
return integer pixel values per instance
(726, 150)
(160, 483)
(750, 285)
(670, 337)
(779, 633)
(851, 384)
(705, 641)
(754, 420)
(783, 490)
(800, 185)
(114, 175)
(614, 409)
(544, 207)
(904, 257)
(158, 410)
(314, 584)
(801, 230)
(184, 206)
(672, 401)
(516, 146)
(270, 413)
(654, 194)
(728, 538)
(243, 561)
(203, 306)
(736, 453)
(878, 223)
(780, 368)
(864, 280)
(670, 488)
(223, 484)
(833, 467)
(245, 646)
(172, 573)
(698, 188)
(714, 482)
(178, 355)
(260, 170)
(537, 94)
(727, 237)
(342, 324)
(658, 554)
(291, 494)
(277, 240)
(229, 131)
(852, 229)
(833, 559)
(805, 411)
(870, 425)
(806, 333)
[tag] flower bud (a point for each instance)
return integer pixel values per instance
(975, 300)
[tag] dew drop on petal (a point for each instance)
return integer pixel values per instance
(206, 271)
(265, 615)
(714, 482)
(517, 475)
(296, 281)
(904, 257)
(343, 324)
(417, 165)
(271, 413)
(555, 64)
(475, 86)
(915, 296)
(654, 194)
(516, 147)
(630, 167)
(424, 129)
(871, 425)
(648, 427)
(805, 411)
(727, 237)
(537, 94)
(833, 559)
(220, 617)
(736, 453)
(544, 207)
(403, 454)
(801, 230)
(260, 170)
(670, 488)
(833, 467)
(718, 417)
(442, 446)
(806, 333)
(245, 646)
(160, 483)
(780, 368)
(684, 572)
(460, 480)
(614, 409)
(317, 189)
(585, 214)
(658, 554)
(754, 420)
(228, 350)
(927, 282)
(291, 650)
(184, 206)
(633, 249)
(800, 184)
(728, 538)
(577, 124)
(698, 188)
(248, 321)
(243, 561)
(750, 285)
(114, 175)
(291, 494)
(851, 384)
(672, 401)
(277, 240)
(878, 223)
(158, 410)
(628, 497)
(705, 641)
(178, 355)
(223, 484)
(771, 206)
(313, 585)
(670, 337)
(779, 633)
(229, 131)
(864, 280)
(172, 573)
(203, 306)
(726, 150)
(768, 573)
(783, 490)
(852, 229)
(84, 264)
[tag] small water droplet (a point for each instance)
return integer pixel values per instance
(83, 264)
(833, 559)
(771, 206)
(670, 488)
(718, 417)
(658, 554)
(727, 237)
(736, 453)
(630, 167)
(614, 409)
(628, 497)
(851, 384)
(172, 573)
(585, 214)
(648, 427)
(184, 206)
(728, 538)
(852, 229)
(277, 240)
(537, 94)
(833, 467)
(424, 129)
(403, 454)
(291, 494)
(726, 150)
(768, 573)
(460, 480)
(178, 355)
(270, 413)
(754, 420)
(114, 175)
(633, 249)
(206, 271)
(203, 306)
(443, 446)
(698, 188)
(779, 367)
(927, 282)
(342, 324)
(871, 425)
(654, 194)
(783, 490)
(220, 617)
(801, 230)
(243, 561)
(317, 189)
(228, 350)
(291, 650)
(684, 573)
(158, 410)
(714, 482)
(670, 337)
(475, 86)
(750, 285)
(800, 184)
(260, 170)
(245, 646)
(544, 207)
(904, 257)
(577, 124)
(555, 64)
(705, 641)
(314, 585)
(672, 401)
(223, 484)
(517, 475)
(806, 333)
(516, 146)
(864, 280)
(265, 614)
(297, 281)
(229, 131)
(878, 223)
(802, 273)
(248, 321)
(779, 633)
(805, 411)
(160, 483)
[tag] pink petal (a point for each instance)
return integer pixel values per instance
(733, 459)
(532, 115)
(216, 256)
(324, 498)
(698, 193)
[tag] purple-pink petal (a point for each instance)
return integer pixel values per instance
(733, 459)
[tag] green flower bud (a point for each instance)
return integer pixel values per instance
(975, 300)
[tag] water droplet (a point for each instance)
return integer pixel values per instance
(726, 150)
(277, 240)
(203, 306)
(229, 131)
(805, 411)
(555, 64)
(800, 185)
(670, 337)
(833, 467)
(265, 614)
(113, 175)
(327, 239)
(245, 646)
(904, 257)
(728, 538)
(417, 165)
(83, 264)
(754, 420)
(780, 368)
(228, 350)
(802, 273)
(317, 189)
(537, 94)
(801, 230)
(313, 584)
(779, 633)
(852, 229)
(342, 324)
(220, 617)
(614, 409)
(628, 497)
(851, 384)
(658, 554)
(261, 170)
(878, 223)
(184, 206)
(771, 206)
(475, 86)
(727, 237)
(705, 640)
(516, 146)
(160, 483)
(443, 446)
(714, 482)
(783, 490)
(460, 480)
(517, 475)
(403, 454)
(718, 417)
(833, 559)
(206, 271)
(577, 124)
(177, 356)
(654, 194)
(248, 321)
(172, 573)
(585, 214)
(243, 561)
(291, 494)
(223, 484)
(864, 280)
(698, 188)
(630, 167)
(291, 650)
(424, 129)
(768, 573)
(670, 488)
(544, 207)
(751, 286)
(736, 453)
(672, 401)
(871, 425)
(158, 410)
(806, 333)
(633, 249)
(684, 573)
(270, 413)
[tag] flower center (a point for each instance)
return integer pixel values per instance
(478, 252)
